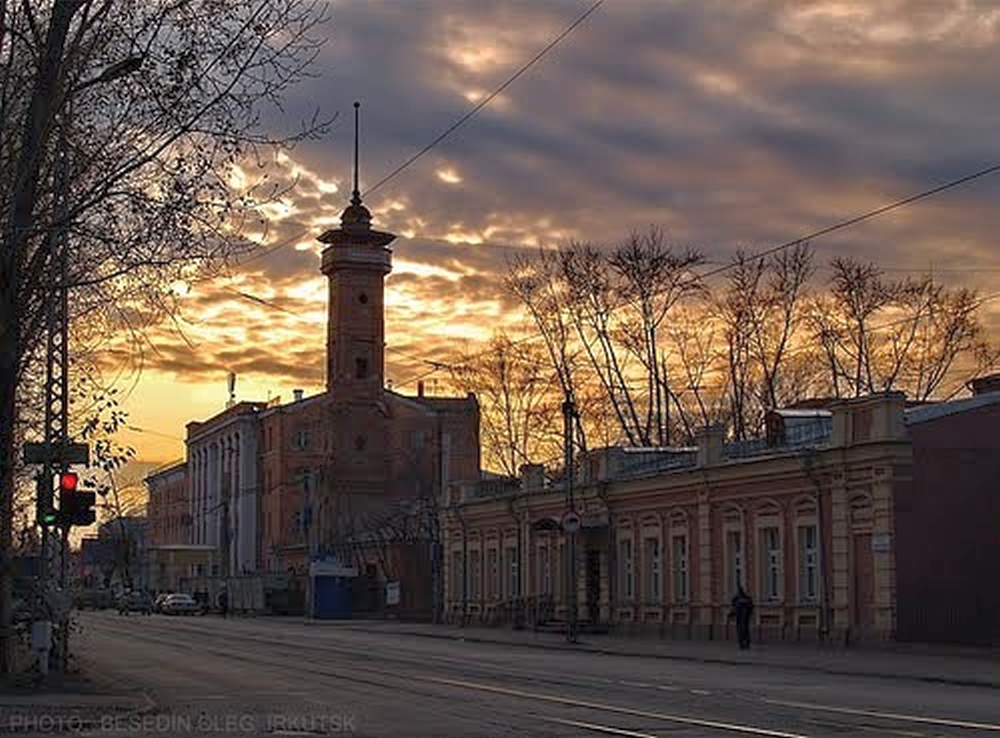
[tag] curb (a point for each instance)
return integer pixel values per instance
(604, 651)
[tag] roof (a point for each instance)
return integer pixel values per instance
(803, 413)
(926, 413)
(167, 469)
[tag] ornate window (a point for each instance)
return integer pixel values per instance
(808, 563)
(627, 580)
(770, 563)
(653, 570)
(680, 566)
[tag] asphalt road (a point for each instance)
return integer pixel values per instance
(209, 676)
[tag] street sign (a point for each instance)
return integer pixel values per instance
(571, 522)
(56, 453)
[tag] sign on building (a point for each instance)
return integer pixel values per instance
(392, 593)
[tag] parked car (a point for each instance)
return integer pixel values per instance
(135, 602)
(181, 604)
(158, 602)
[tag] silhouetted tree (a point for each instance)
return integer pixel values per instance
(128, 133)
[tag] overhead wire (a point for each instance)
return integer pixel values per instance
(489, 98)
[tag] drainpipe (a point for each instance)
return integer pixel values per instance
(808, 461)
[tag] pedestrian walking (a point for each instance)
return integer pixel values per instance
(223, 604)
(743, 609)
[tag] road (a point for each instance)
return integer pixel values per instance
(210, 676)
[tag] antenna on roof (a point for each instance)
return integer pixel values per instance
(356, 195)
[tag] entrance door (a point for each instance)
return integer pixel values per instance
(593, 585)
(863, 564)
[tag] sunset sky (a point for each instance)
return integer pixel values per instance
(728, 124)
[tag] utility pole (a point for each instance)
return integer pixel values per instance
(571, 521)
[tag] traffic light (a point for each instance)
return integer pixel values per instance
(75, 507)
(45, 514)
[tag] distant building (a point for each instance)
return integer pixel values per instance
(118, 557)
(223, 469)
(864, 519)
(169, 507)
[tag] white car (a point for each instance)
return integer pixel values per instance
(180, 604)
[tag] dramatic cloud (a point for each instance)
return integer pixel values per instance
(728, 124)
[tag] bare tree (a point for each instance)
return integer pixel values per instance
(122, 124)
(519, 397)
(654, 280)
(602, 314)
(913, 335)
(537, 284)
(762, 310)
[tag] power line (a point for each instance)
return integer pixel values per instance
(863, 217)
(488, 99)
(840, 225)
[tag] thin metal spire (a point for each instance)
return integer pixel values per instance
(356, 195)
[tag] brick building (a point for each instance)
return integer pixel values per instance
(863, 520)
(354, 473)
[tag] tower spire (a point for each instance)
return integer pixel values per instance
(356, 195)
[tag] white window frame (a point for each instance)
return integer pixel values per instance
(512, 571)
(653, 569)
(493, 572)
(680, 566)
(808, 560)
(457, 578)
(475, 574)
(735, 559)
(770, 562)
(543, 586)
(559, 580)
(626, 555)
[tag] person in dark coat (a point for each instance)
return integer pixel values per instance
(223, 604)
(743, 609)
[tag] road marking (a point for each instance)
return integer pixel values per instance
(668, 688)
(734, 727)
(888, 715)
(700, 691)
(597, 728)
(644, 685)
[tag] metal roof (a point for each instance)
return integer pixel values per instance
(926, 413)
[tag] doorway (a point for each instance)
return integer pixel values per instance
(593, 568)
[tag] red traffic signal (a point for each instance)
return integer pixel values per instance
(68, 481)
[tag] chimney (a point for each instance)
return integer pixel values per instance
(420, 388)
(297, 394)
(711, 444)
(532, 478)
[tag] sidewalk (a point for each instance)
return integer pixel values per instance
(941, 665)
(69, 702)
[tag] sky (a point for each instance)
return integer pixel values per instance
(727, 124)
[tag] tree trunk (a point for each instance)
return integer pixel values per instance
(25, 188)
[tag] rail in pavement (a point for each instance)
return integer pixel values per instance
(961, 667)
